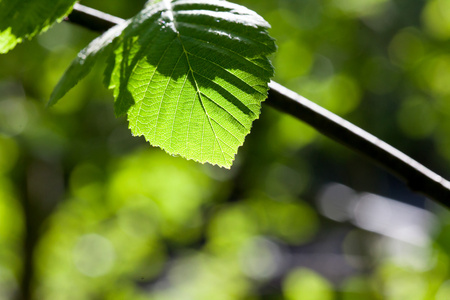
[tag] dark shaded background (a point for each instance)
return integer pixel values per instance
(89, 212)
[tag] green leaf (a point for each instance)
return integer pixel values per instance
(191, 75)
(83, 63)
(21, 19)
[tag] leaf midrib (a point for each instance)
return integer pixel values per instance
(169, 9)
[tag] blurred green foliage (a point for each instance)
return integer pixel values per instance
(89, 212)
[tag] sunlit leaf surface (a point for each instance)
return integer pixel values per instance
(191, 75)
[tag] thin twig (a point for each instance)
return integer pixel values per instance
(419, 178)
(92, 19)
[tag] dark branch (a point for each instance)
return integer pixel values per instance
(91, 18)
(419, 178)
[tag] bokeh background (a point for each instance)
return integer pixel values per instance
(89, 212)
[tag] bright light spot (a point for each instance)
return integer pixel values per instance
(402, 285)
(418, 258)
(292, 134)
(329, 93)
(436, 18)
(406, 48)
(260, 258)
(305, 284)
(335, 202)
(394, 219)
(56, 38)
(142, 219)
(13, 116)
(436, 73)
(288, 68)
(361, 8)
(93, 255)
